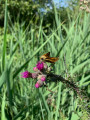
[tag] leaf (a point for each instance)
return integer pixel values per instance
(3, 117)
(5, 38)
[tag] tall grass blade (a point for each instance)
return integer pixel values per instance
(3, 117)
(5, 37)
(3, 78)
(45, 103)
(58, 102)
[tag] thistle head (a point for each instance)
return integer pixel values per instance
(26, 74)
(40, 65)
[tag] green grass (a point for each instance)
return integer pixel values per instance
(21, 49)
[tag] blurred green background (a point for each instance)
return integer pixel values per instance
(29, 29)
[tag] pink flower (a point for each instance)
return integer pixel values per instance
(81, 0)
(26, 74)
(37, 85)
(40, 65)
(35, 69)
(43, 78)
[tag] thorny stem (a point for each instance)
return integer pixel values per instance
(70, 84)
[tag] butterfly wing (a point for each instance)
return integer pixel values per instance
(47, 54)
(52, 59)
(46, 57)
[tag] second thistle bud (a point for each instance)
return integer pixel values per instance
(35, 69)
(39, 84)
(41, 77)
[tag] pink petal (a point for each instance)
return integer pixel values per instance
(37, 85)
(43, 78)
(35, 69)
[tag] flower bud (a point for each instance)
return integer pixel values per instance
(26, 74)
(35, 69)
(37, 85)
(34, 75)
(43, 78)
(40, 65)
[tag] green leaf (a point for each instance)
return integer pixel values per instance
(3, 117)
(5, 38)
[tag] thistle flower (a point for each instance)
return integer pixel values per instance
(40, 65)
(38, 84)
(35, 69)
(26, 74)
(43, 78)
(39, 74)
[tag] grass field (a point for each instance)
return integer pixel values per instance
(21, 47)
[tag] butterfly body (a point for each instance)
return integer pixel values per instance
(46, 58)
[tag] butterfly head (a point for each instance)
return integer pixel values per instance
(42, 58)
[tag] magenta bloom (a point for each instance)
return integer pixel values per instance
(37, 85)
(40, 65)
(26, 74)
(43, 78)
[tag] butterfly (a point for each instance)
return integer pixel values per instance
(46, 58)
